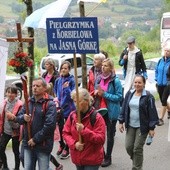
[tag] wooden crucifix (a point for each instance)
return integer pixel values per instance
(20, 41)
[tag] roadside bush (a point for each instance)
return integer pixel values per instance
(109, 47)
(38, 54)
(149, 46)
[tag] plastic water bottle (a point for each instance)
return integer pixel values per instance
(149, 140)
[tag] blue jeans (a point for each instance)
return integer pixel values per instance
(88, 167)
(31, 156)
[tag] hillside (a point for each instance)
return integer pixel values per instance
(114, 17)
(118, 10)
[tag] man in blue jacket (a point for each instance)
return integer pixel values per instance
(42, 119)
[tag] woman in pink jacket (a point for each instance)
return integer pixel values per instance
(88, 154)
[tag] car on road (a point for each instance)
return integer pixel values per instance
(59, 58)
(150, 66)
(151, 63)
(150, 82)
(14, 80)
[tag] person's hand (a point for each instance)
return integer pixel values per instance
(56, 101)
(125, 57)
(121, 128)
(10, 116)
(79, 127)
(27, 118)
(66, 84)
(100, 91)
(151, 133)
(79, 146)
(95, 92)
(31, 142)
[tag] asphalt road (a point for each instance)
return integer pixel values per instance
(156, 156)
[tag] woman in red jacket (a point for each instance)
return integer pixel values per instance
(89, 153)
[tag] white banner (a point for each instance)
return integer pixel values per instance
(55, 9)
(3, 65)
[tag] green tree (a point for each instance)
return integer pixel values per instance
(108, 46)
(29, 10)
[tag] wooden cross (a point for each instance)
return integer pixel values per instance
(19, 39)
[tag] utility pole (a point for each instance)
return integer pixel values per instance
(83, 56)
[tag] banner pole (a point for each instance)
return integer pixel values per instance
(77, 94)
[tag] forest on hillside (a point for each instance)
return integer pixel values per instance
(114, 16)
(116, 20)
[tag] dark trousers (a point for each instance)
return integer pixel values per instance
(61, 126)
(4, 139)
(111, 130)
(87, 167)
(163, 92)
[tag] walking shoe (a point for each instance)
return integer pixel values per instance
(168, 115)
(60, 150)
(161, 122)
(65, 154)
(59, 168)
(106, 162)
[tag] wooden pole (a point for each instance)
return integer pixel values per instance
(24, 82)
(83, 56)
(77, 94)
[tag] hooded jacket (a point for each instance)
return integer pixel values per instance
(113, 96)
(93, 138)
(139, 63)
(42, 124)
(64, 94)
(17, 107)
(161, 71)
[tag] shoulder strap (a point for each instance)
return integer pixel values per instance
(115, 89)
(45, 104)
(92, 118)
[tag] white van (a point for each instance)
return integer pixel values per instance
(59, 58)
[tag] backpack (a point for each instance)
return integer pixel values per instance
(121, 102)
(92, 118)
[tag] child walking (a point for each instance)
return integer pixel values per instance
(62, 88)
(9, 129)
